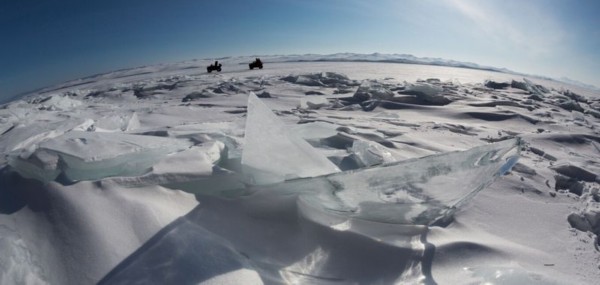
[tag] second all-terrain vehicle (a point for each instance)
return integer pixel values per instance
(256, 63)
(215, 66)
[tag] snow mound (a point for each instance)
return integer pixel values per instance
(504, 276)
(313, 102)
(86, 229)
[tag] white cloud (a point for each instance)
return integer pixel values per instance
(521, 25)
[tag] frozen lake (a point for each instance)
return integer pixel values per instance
(413, 72)
(169, 174)
(236, 67)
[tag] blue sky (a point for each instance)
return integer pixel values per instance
(50, 41)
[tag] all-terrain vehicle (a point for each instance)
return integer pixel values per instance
(215, 66)
(256, 63)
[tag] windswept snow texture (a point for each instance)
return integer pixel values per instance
(340, 170)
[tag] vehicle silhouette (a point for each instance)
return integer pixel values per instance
(256, 63)
(215, 66)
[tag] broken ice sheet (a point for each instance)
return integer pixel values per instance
(273, 154)
(92, 155)
(422, 191)
(371, 153)
(118, 122)
(194, 164)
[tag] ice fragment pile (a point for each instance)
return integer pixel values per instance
(92, 155)
(420, 191)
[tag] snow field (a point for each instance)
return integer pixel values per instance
(93, 175)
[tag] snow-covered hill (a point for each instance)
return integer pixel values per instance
(335, 173)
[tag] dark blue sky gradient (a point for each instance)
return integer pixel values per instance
(48, 41)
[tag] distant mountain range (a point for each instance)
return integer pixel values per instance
(411, 59)
(392, 58)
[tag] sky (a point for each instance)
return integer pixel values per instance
(52, 41)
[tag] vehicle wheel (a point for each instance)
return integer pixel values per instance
(260, 67)
(219, 70)
(208, 71)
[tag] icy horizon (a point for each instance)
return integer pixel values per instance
(309, 57)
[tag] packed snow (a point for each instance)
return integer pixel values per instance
(312, 170)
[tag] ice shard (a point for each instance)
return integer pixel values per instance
(421, 191)
(371, 153)
(534, 89)
(91, 155)
(273, 154)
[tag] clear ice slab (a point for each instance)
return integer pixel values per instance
(421, 191)
(91, 156)
(273, 154)
(285, 171)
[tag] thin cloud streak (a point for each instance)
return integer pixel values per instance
(527, 29)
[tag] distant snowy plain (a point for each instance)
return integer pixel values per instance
(338, 171)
